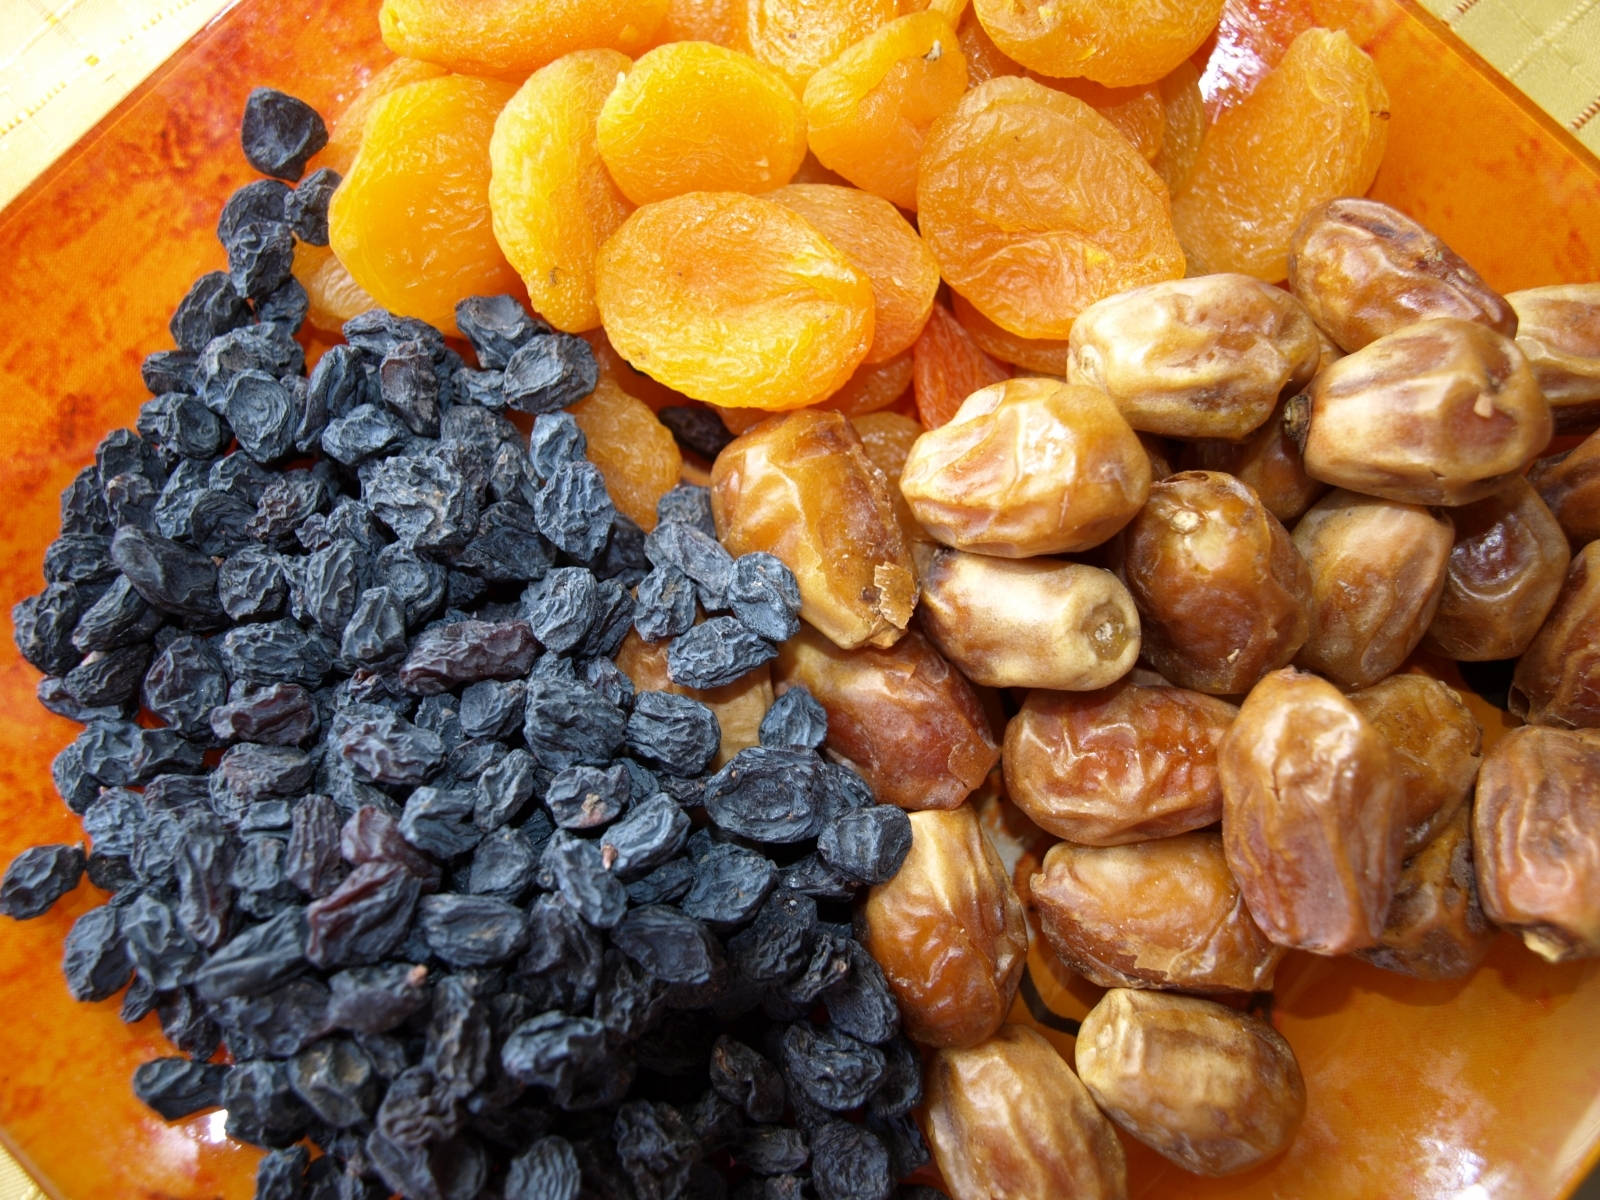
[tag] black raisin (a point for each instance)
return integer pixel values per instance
(279, 133)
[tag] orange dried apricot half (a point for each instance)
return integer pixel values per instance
(1184, 124)
(550, 196)
(947, 366)
(1047, 356)
(1115, 44)
(332, 295)
(874, 386)
(734, 300)
(719, 21)
(698, 117)
(1135, 111)
(633, 451)
(1035, 206)
(410, 222)
(797, 37)
(883, 245)
(344, 135)
(514, 38)
(868, 111)
(1313, 129)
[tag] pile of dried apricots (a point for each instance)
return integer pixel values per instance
(1015, 286)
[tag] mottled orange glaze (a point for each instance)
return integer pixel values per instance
(1416, 1090)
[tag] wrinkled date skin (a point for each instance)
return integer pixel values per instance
(1364, 269)
(1436, 927)
(1165, 913)
(1215, 1090)
(904, 718)
(802, 488)
(1221, 591)
(1437, 744)
(1558, 328)
(1504, 572)
(1536, 839)
(1570, 484)
(1008, 1118)
(1119, 765)
(1312, 817)
(1267, 460)
(1207, 357)
(1441, 412)
(1377, 571)
(1028, 466)
(948, 931)
(1040, 622)
(1557, 679)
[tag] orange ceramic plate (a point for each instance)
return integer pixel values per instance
(1487, 1090)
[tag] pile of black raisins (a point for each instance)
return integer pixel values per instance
(468, 914)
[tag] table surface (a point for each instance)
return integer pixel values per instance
(64, 64)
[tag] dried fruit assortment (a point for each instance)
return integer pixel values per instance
(555, 753)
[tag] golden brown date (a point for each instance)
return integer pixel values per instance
(1215, 1090)
(1570, 484)
(903, 717)
(1377, 571)
(1027, 466)
(1039, 622)
(948, 931)
(1164, 913)
(1505, 569)
(1221, 591)
(1118, 765)
(1436, 927)
(1437, 745)
(1536, 839)
(1363, 269)
(739, 706)
(1207, 356)
(802, 487)
(1008, 1118)
(1312, 817)
(1557, 679)
(1268, 461)
(1558, 328)
(1441, 412)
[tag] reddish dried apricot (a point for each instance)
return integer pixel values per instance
(869, 110)
(410, 222)
(884, 247)
(513, 38)
(1116, 44)
(734, 300)
(635, 453)
(698, 117)
(947, 366)
(1313, 129)
(1016, 193)
(797, 37)
(551, 198)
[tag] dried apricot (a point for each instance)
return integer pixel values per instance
(873, 386)
(868, 111)
(1183, 110)
(695, 116)
(512, 38)
(1116, 44)
(719, 21)
(985, 60)
(734, 300)
(1015, 192)
(947, 366)
(1048, 356)
(1136, 111)
(1315, 128)
(344, 135)
(550, 196)
(334, 297)
(796, 37)
(410, 222)
(884, 247)
(636, 453)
